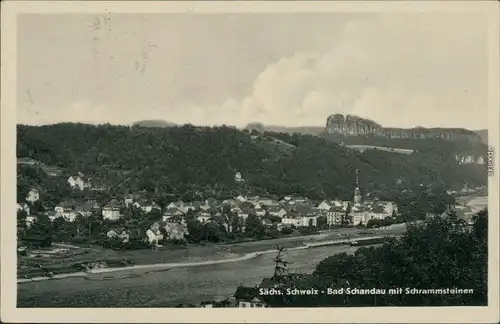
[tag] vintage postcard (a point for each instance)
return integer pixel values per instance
(261, 162)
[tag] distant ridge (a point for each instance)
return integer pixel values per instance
(319, 130)
(307, 130)
(351, 125)
(483, 133)
(154, 123)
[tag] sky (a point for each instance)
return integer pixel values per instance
(289, 69)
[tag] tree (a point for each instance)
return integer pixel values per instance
(154, 215)
(213, 231)
(21, 223)
(37, 208)
(438, 252)
(39, 234)
(280, 265)
(346, 214)
(322, 222)
(195, 230)
(373, 223)
(235, 222)
(254, 227)
(202, 160)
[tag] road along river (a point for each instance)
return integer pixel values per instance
(166, 285)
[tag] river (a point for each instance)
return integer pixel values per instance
(478, 203)
(167, 288)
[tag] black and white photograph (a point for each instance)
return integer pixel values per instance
(234, 156)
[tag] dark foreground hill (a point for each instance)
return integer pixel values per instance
(188, 161)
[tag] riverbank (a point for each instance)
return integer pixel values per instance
(95, 273)
(72, 259)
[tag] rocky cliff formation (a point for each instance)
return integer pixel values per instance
(355, 126)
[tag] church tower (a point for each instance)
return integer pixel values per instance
(357, 193)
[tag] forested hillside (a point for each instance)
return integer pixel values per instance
(189, 161)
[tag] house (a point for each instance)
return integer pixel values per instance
(175, 231)
(59, 208)
(30, 220)
(188, 207)
(378, 212)
(174, 219)
(203, 216)
(248, 297)
(66, 210)
(77, 182)
(324, 205)
(291, 219)
(308, 220)
(128, 200)
(23, 206)
(238, 177)
(53, 215)
(260, 212)
(207, 304)
(205, 207)
(87, 208)
(155, 206)
(112, 210)
(120, 233)
(302, 209)
(267, 202)
(359, 215)
(244, 213)
(231, 202)
(70, 215)
(334, 215)
(33, 196)
(236, 210)
(282, 212)
(146, 206)
(154, 235)
(241, 199)
(173, 211)
(217, 304)
(177, 204)
(298, 200)
(274, 211)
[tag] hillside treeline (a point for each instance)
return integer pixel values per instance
(189, 161)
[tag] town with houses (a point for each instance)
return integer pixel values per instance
(291, 212)
(294, 212)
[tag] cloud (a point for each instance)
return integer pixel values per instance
(402, 71)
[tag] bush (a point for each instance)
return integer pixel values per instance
(307, 230)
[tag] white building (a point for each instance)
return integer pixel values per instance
(23, 206)
(33, 196)
(238, 178)
(77, 182)
(154, 235)
(324, 205)
(112, 210)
